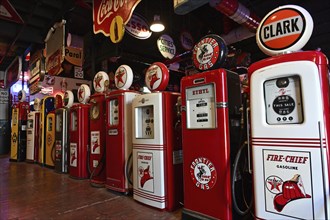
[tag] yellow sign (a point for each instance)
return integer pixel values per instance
(74, 55)
(117, 29)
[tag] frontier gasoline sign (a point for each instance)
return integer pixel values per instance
(287, 28)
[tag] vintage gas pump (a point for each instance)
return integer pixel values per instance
(210, 132)
(50, 133)
(119, 132)
(97, 165)
(61, 132)
(47, 105)
(79, 134)
(18, 128)
(157, 156)
(32, 133)
(290, 120)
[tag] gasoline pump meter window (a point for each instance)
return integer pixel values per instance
(30, 123)
(114, 112)
(58, 123)
(144, 117)
(74, 121)
(50, 124)
(201, 112)
(283, 100)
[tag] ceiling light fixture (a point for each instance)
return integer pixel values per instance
(157, 25)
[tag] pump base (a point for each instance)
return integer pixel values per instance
(191, 215)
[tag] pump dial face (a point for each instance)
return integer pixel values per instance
(95, 111)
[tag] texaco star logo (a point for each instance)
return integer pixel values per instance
(119, 77)
(97, 81)
(274, 184)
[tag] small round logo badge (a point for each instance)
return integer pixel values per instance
(203, 173)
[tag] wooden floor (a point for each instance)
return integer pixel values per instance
(29, 191)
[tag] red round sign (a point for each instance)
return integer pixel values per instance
(210, 52)
(203, 173)
(157, 77)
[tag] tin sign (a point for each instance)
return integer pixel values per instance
(157, 77)
(166, 46)
(138, 27)
(105, 11)
(287, 28)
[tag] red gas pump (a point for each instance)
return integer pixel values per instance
(157, 156)
(32, 133)
(211, 134)
(290, 121)
(79, 134)
(18, 128)
(97, 165)
(119, 132)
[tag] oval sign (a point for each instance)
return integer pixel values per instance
(186, 40)
(36, 104)
(203, 173)
(123, 77)
(210, 52)
(101, 80)
(286, 28)
(21, 96)
(84, 93)
(138, 27)
(68, 98)
(166, 46)
(157, 77)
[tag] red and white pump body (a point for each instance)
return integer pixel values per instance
(157, 157)
(32, 133)
(97, 164)
(290, 125)
(119, 132)
(79, 134)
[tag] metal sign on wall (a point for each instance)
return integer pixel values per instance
(109, 17)
(8, 12)
(13, 71)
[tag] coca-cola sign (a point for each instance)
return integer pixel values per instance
(104, 11)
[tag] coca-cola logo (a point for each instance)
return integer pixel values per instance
(105, 11)
(107, 8)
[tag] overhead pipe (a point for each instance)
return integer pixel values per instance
(237, 12)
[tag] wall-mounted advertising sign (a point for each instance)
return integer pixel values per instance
(166, 46)
(138, 27)
(110, 16)
(13, 71)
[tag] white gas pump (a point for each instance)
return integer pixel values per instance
(290, 120)
(32, 133)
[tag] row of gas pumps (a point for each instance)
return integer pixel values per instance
(210, 148)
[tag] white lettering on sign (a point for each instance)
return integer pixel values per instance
(286, 28)
(282, 28)
(107, 8)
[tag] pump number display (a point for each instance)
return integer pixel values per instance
(283, 100)
(201, 107)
